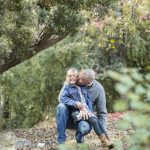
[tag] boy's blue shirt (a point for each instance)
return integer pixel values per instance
(71, 96)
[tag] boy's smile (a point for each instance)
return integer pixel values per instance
(71, 77)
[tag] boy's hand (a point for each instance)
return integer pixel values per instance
(80, 105)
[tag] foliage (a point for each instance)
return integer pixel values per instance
(134, 89)
(28, 90)
(120, 38)
(19, 24)
(31, 89)
(28, 27)
(122, 34)
(104, 42)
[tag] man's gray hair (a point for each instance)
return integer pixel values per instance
(89, 73)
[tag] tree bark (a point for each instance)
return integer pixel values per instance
(46, 40)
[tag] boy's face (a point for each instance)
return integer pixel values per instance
(71, 77)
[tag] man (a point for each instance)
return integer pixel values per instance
(63, 116)
(96, 92)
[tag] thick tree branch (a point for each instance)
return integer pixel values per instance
(45, 41)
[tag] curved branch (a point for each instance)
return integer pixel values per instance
(45, 41)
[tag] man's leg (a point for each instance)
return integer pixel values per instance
(83, 128)
(62, 114)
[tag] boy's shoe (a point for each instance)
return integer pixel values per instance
(79, 137)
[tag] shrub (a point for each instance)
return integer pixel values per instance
(134, 89)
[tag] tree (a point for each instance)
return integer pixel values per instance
(28, 27)
(29, 91)
(124, 31)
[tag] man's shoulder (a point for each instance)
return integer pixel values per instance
(97, 84)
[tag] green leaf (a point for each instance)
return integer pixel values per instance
(121, 88)
(121, 106)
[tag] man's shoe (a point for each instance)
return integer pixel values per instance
(105, 142)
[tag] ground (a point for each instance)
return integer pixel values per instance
(43, 136)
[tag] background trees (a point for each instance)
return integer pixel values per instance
(134, 89)
(27, 27)
(88, 37)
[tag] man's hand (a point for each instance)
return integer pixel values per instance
(80, 105)
(84, 114)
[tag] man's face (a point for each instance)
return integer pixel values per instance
(82, 80)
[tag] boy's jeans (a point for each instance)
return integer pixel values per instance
(97, 126)
(65, 121)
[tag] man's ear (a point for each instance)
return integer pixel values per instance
(77, 82)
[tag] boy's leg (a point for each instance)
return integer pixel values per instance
(98, 128)
(62, 114)
(65, 121)
(83, 128)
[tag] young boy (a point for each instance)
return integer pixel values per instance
(77, 98)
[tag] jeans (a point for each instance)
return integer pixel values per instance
(65, 121)
(97, 126)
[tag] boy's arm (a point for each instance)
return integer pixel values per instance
(64, 97)
(60, 93)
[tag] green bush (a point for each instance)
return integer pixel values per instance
(134, 89)
(30, 90)
(111, 94)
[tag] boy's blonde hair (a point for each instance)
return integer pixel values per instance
(72, 70)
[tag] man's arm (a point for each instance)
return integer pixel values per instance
(89, 102)
(101, 106)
